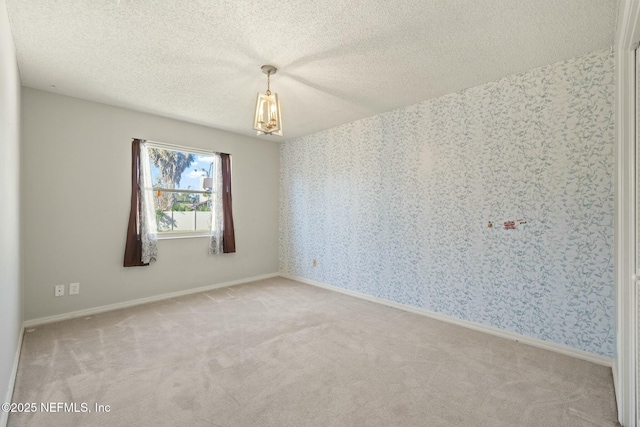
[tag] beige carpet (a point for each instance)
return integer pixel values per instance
(280, 353)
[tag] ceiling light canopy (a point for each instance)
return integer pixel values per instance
(268, 120)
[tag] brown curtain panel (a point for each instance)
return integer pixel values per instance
(133, 247)
(229, 237)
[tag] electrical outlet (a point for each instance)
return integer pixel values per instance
(315, 262)
(74, 288)
(59, 292)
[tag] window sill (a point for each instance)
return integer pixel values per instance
(181, 236)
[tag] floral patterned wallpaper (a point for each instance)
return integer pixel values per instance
(397, 206)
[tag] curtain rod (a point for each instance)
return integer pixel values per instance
(180, 147)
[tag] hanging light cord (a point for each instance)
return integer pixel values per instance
(269, 83)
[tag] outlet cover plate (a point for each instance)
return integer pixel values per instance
(59, 291)
(74, 288)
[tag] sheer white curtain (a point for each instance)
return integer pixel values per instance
(148, 226)
(217, 217)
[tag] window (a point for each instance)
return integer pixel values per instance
(186, 191)
(183, 190)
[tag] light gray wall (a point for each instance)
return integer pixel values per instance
(10, 289)
(76, 183)
(397, 205)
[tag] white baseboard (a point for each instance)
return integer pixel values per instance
(103, 308)
(4, 416)
(558, 348)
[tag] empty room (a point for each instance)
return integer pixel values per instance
(302, 213)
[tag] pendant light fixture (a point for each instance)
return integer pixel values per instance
(267, 120)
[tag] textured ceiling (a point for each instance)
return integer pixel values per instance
(339, 61)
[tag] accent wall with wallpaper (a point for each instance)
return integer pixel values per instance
(398, 205)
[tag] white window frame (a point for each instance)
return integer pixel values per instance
(184, 149)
